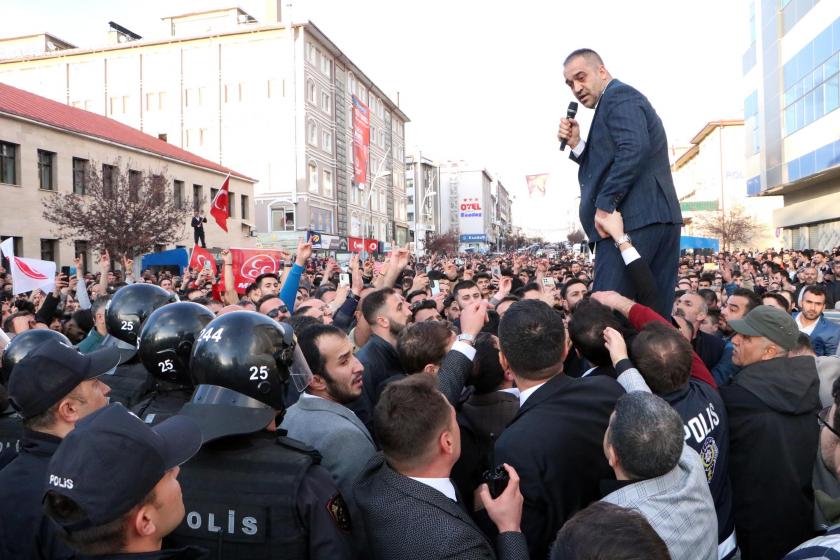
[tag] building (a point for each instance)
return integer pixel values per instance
(792, 125)
(709, 178)
(208, 88)
(464, 200)
(502, 212)
(422, 182)
(46, 148)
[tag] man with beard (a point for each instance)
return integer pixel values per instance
(741, 302)
(824, 334)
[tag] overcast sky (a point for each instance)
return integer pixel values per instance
(481, 80)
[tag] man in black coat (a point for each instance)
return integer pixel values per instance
(555, 441)
(772, 405)
(197, 224)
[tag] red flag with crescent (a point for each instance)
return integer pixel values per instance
(220, 207)
(199, 257)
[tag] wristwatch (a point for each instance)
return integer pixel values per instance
(468, 338)
(623, 239)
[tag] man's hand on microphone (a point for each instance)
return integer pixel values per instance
(569, 131)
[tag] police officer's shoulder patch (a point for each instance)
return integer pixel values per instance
(339, 513)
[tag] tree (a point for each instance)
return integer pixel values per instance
(443, 243)
(125, 212)
(732, 227)
(576, 236)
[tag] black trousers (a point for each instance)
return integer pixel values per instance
(198, 233)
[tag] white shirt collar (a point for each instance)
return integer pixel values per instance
(442, 485)
(512, 390)
(590, 370)
(523, 395)
(305, 395)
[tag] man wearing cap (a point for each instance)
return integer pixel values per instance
(52, 388)
(772, 402)
(112, 485)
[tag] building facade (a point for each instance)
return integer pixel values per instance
(465, 203)
(422, 186)
(792, 122)
(502, 212)
(209, 88)
(709, 178)
(46, 149)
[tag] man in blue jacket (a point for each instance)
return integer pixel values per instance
(623, 166)
(824, 334)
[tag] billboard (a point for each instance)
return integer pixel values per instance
(361, 141)
(470, 215)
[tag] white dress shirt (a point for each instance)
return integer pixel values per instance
(442, 485)
(523, 395)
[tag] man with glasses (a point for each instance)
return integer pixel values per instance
(826, 485)
(771, 404)
(273, 307)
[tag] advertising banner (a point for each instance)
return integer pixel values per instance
(361, 141)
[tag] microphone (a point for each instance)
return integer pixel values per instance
(570, 114)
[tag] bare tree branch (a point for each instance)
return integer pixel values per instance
(732, 227)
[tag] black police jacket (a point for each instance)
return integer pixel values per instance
(24, 530)
(11, 432)
(260, 496)
(164, 401)
(186, 553)
(129, 384)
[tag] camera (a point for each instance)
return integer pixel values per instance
(497, 480)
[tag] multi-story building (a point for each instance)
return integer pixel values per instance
(273, 98)
(422, 186)
(792, 124)
(466, 205)
(709, 178)
(502, 211)
(47, 148)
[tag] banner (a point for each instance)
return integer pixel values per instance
(220, 208)
(470, 212)
(28, 274)
(199, 257)
(536, 184)
(361, 141)
(326, 242)
(250, 263)
(354, 245)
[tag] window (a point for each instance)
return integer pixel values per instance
(326, 102)
(355, 195)
(326, 66)
(178, 193)
(109, 180)
(312, 133)
(313, 177)
(231, 204)
(311, 92)
(311, 53)
(326, 141)
(8, 163)
(213, 193)
(80, 249)
(17, 248)
(135, 182)
(198, 194)
(243, 206)
(80, 170)
(282, 219)
(328, 183)
(45, 170)
(48, 252)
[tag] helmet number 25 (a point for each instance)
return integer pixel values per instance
(211, 334)
(166, 365)
(259, 373)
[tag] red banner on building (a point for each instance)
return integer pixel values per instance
(361, 141)
(355, 245)
(250, 263)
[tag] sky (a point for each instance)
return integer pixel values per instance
(482, 80)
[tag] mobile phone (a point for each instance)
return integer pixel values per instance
(72, 271)
(548, 282)
(435, 287)
(496, 270)
(65, 270)
(343, 279)
(206, 265)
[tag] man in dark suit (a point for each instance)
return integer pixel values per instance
(557, 436)
(623, 166)
(197, 224)
(409, 505)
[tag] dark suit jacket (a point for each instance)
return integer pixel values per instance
(625, 163)
(407, 519)
(709, 348)
(555, 443)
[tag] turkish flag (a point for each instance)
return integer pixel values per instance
(357, 245)
(28, 274)
(219, 210)
(199, 257)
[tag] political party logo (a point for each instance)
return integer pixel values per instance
(256, 265)
(708, 456)
(29, 271)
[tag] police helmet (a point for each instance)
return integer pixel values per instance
(167, 338)
(23, 344)
(241, 365)
(129, 308)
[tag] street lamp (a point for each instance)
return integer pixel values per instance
(419, 213)
(379, 174)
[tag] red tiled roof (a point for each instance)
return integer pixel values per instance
(28, 105)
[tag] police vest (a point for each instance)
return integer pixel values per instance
(240, 497)
(11, 432)
(129, 384)
(166, 400)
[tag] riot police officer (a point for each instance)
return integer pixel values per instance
(166, 342)
(11, 424)
(251, 492)
(126, 312)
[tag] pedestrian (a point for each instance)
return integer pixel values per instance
(197, 223)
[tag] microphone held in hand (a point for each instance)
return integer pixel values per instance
(570, 114)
